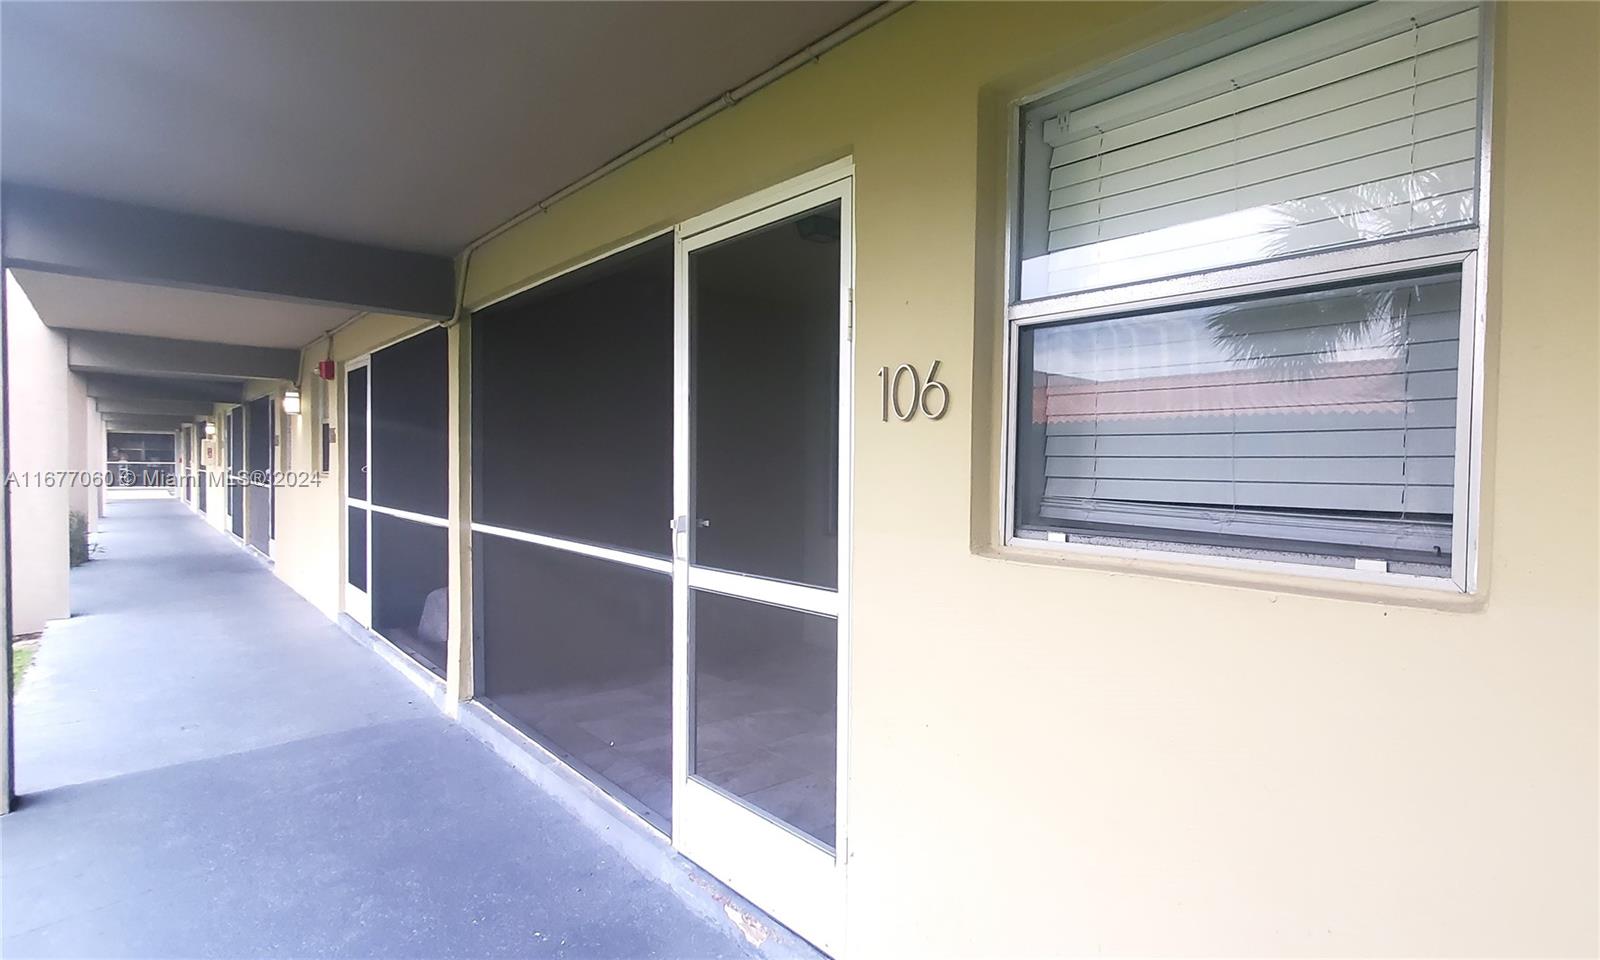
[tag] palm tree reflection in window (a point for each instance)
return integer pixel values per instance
(1362, 213)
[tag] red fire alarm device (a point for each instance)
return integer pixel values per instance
(325, 369)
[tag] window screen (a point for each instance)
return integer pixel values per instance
(140, 459)
(410, 385)
(258, 516)
(1360, 126)
(1322, 422)
(578, 652)
(765, 708)
(236, 469)
(764, 460)
(356, 547)
(258, 438)
(572, 386)
(236, 440)
(410, 587)
(258, 465)
(356, 427)
(572, 439)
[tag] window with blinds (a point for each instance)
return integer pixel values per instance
(1314, 409)
(1320, 422)
(1360, 126)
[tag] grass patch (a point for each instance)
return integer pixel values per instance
(22, 652)
(78, 549)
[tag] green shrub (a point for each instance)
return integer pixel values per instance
(77, 538)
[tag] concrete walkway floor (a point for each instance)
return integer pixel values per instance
(209, 768)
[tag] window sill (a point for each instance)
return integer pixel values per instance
(1272, 576)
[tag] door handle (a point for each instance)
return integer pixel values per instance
(679, 526)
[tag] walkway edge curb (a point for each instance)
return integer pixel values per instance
(429, 684)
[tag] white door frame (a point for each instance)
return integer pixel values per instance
(181, 471)
(235, 471)
(357, 602)
(274, 438)
(795, 879)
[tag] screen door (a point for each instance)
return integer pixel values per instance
(358, 518)
(258, 474)
(761, 493)
(237, 479)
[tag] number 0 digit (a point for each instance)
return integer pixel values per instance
(916, 391)
(930, 386)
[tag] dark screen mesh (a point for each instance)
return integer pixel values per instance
(765, 718)
(236, 440)
(410, 424)
(258, 516)
(356, 545)
(236, 507)
(573, 405)
(235, 469)
(258, 464)
(356, 428)
(764, 432)
(258, 435)
(410, 605)
(578, 652)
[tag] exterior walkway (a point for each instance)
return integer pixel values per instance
(208, 767)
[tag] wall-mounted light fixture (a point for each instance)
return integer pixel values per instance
(291, 402)
(211, 429)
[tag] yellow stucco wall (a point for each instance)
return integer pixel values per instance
(1060, 756)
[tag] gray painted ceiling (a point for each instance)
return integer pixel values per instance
(411, 125)
(81, 304)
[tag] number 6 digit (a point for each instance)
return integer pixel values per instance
(944, 394)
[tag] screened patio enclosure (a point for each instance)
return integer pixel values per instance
(396, 498)
(140, 459)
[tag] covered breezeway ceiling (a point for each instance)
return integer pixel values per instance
(112, 306)
(418, 126)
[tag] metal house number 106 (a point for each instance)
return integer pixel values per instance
(892, 387)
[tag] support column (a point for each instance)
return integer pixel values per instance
(79, 492)
(38, 398)
(97, 464)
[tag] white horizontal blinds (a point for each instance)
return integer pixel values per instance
(1359, 127)
(1327, 419)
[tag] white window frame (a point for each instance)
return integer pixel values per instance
(1464, 248)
